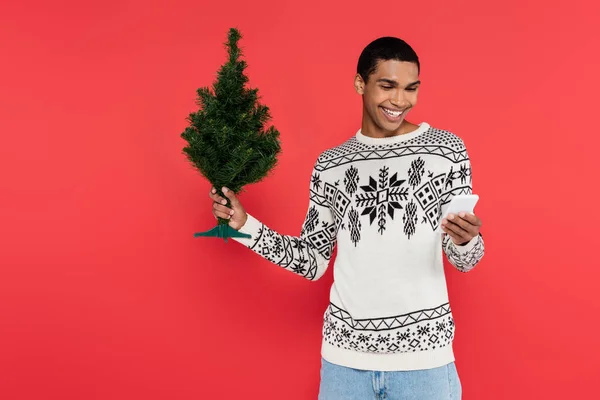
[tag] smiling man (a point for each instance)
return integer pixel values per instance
(388, 329)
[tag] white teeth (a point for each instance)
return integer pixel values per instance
(392, 113)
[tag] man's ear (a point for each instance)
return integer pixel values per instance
(359, 84)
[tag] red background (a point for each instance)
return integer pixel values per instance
(105, 294)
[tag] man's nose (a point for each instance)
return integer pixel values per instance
(399, 98)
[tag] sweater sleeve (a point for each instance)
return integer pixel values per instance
(307, 255)
(459, 181)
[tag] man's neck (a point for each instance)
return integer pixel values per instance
(370, 130)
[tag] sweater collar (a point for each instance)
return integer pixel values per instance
(423, 127)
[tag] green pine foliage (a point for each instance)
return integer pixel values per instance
(228, 141)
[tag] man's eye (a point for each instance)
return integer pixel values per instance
(412, 89)
(387, 87)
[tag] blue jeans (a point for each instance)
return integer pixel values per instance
(343, 383)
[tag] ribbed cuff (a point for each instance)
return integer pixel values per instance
(252, 228)
(466, 247)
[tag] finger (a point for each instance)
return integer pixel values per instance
(230, 195)
(215, 197)
(223, 209)
(456, 239)
(221, 214)
(454, 223)
(471, 218)
(451, 234)
(456, 231)
(462, 223)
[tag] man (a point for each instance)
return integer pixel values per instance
(388, 329)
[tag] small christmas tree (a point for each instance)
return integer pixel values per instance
(227, 139)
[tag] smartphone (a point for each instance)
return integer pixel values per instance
(461, 203)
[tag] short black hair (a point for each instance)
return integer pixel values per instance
(384, 49)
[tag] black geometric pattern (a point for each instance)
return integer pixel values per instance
(410, 219)
(416, 171)
(371, 154)
(338, 202)
(318, 199)
(354, 221)
(316, 181)
(312, 220)
(351, 180)
(287, 251)
(381, 197)
(385, 323)
(429, 196)
(463, 173)
(323, 239)
(416, 331)
(463, 261)
(434, 141)
(450, 188)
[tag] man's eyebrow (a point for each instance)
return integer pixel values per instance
(395, 84)
(389, 81)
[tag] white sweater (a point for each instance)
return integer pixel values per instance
(380, 200)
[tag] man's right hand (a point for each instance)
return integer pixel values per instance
(236, 214)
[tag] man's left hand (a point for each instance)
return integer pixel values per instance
(462, 227)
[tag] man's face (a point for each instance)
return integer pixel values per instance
(389, 95)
